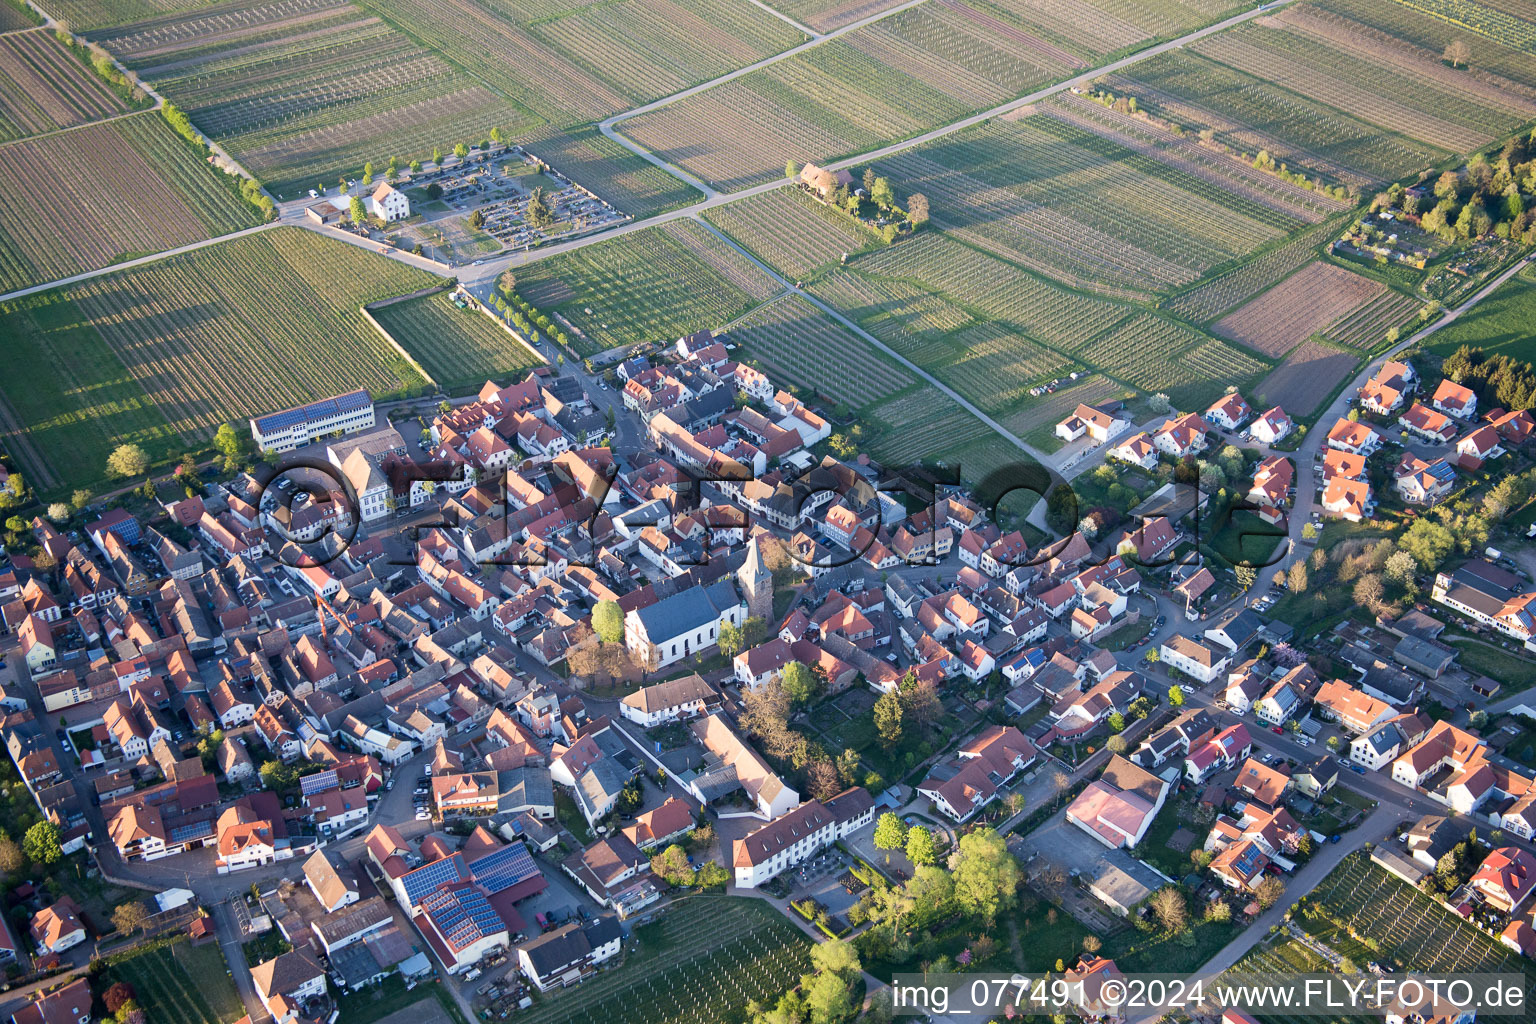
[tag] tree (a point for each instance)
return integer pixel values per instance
(1116, 722)
(41, 843)
(1269, 891)
(829, 999)
(882, 194)
(80, 499)
(986, 875)
(608, 622)
(848, 766)
(888, 719)
(1246, 575)
(1334, 743)
(921, 849)
(11, 858)
(1478, 719)
(356, 212)
(1428, 543)
(1176, 696)
(917, 209)
(129, 917)
(229, 442)
(537, 212)
(1171, 908)
(127, 460)
(477, 219)
(1116, 745)
(461, 151)
(729, 640)
(1368, 592)
(1401, 569)
(1296, 576)
(835, 957)
(672, 865)
(278, 776)
(799, 682)
(890, 834)
(1092, 943)
(58, 511)
(1458, 52)
(119, 994)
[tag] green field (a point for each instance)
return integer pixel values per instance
(1280, 955)
(705, 958)
(1067, 194)
(594, 161)
(460, 348)
(794, 342)
(792, 232)
(44, 86)
(179, 983)
(1499, 325)
(654, 285)
(106, 192)
(163, 353)
(1209, 299)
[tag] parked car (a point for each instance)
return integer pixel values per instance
(1277, 730)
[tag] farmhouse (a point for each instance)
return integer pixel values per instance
(389, 203)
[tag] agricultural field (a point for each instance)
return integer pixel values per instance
(83, 15)
(1051, 194)
(1230, 288)
(790, 231)
(1155, 354)
(704, 959)
(44, 87)
(1282, 955)
(1250, 114)
(459, 348)
(889, 80)
(16, 15)
(161, 354)
(1418, 99)
(1411, 927)
(572, 63)
(1036, 423)
(179, 983)
(104, 193)
(791, 339)
(827, 15)
(1367, 326)
(652, 285)
(628, 182)
(1418, 25)
(303, 90)
(1499, 325)
(1308, 375)
(923, 424)
(1304, 304)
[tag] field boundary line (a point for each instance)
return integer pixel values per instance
(786, 19)
(113, 268)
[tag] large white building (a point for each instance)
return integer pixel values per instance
(682, 625)
(800, 834)
(292, 428)
(388, 203)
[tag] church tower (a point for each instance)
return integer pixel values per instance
(756, 583)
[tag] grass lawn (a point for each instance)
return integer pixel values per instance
(265, 947)
(703, 960)
(1499, 325)
(1134, 951)
(570, 816)
(379, 1001)
(1515, 672)
(179, 983)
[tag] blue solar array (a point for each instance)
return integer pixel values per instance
(319, 782)
(421, 882)
(503, 868)
(187, 833)
(462, 915)
(323, 409)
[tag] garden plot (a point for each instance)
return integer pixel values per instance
(62, 207)
(43, 87)
(1304, 304)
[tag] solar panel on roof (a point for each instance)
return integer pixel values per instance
(503, 868)
(424, 880)
(187, 833)
(319, 781)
